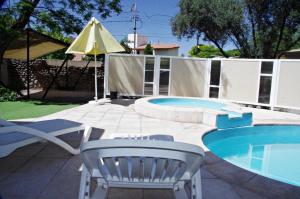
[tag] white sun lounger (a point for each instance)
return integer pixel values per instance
(134, 163)
(14, 136)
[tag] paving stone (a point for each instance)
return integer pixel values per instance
(158, 193)
(53, 151)
(68, 179)
(218, 189)
(118, 193)
(295, 193)
(24, 185)
(136, 130)
(41, 166)
(246, 194)
(29, 150)
(73, 166)
(18, 197)
(229, 172)
(9, 164)
(271, 188)
(206, 174)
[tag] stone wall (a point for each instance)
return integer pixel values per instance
(42, 72)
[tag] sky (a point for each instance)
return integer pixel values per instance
(154, 22)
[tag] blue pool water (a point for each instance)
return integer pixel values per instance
(271, 151)
(186, 102)
(193, 103)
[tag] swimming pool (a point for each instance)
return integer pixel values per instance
(269, 150)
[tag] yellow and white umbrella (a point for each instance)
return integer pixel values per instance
(94, 39)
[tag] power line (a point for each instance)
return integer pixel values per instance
(156, 15)
(117, 21)
(150, 36)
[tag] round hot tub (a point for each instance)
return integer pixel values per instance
(188, 103)
(188, 109)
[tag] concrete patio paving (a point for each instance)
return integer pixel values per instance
(45, 171)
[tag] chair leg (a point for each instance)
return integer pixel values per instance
(179, 191)
(86, 134)
(196, 189)
(84, 190)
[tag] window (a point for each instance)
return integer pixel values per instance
(164, 74)
(265, 84)
(148, 89)
(266, 67)
(215, 73)
(149, 76)
(213, 92)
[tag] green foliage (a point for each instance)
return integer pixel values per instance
(56, 18)
(124, 43)
(259, 29)
(7, 95)
(68, 16)
(209, 51)
(233, 53)
(204, 51)
(148, 50)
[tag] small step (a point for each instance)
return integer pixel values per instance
(225, 121)
(232, 112)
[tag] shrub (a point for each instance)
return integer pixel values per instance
(148, 50)
(7, 95)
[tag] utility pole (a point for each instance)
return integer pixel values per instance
(134, 17)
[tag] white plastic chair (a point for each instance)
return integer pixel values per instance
(14, 136)
(134, 163)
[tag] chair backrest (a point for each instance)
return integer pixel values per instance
(141, 161)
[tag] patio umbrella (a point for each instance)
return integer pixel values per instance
(94, 39)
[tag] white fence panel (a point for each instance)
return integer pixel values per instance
(272, 83)
(239, 80)
(188, 77)
(288, 85)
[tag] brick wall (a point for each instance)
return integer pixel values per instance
(43, 71)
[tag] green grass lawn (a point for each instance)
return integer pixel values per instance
(30, 109)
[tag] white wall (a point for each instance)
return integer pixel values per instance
(140, 40)
(239, 79)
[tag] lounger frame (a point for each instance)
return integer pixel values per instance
(39, 135)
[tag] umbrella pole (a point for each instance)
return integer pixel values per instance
(27, 64)
(96, 85)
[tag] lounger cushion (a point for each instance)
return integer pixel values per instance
(46, 126)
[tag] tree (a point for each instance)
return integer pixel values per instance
(148, 50)
(210, 51)
(204, 51)
(258, 29)
(233, 53)
(62, 16)
(124, 43)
